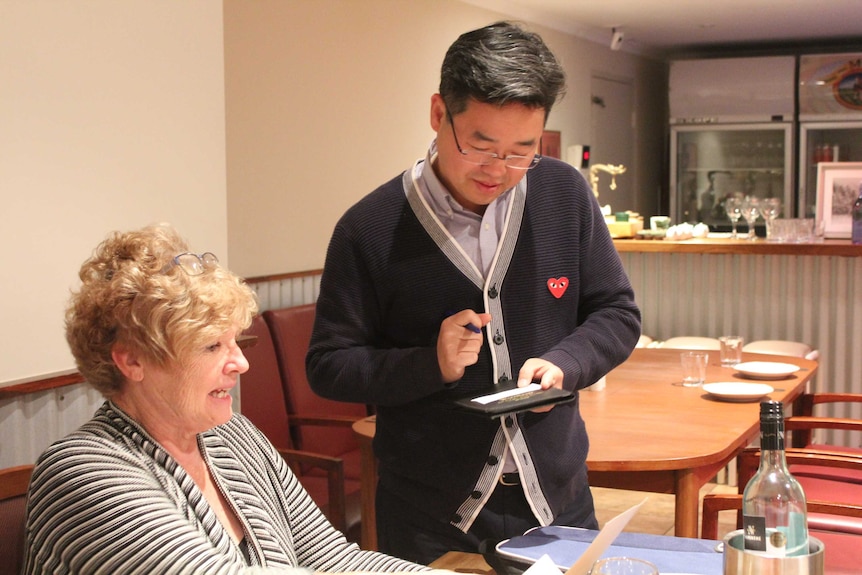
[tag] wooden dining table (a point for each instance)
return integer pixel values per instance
(648, 432)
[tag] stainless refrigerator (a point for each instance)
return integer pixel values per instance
(830, 118)
(731, 132)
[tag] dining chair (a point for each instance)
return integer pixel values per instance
(801, 427)
(318, 424)
(691, 342)
(263, 402)
(841, 555)
(782, 347)
(14, 482)
(804, 421)
(824, 476)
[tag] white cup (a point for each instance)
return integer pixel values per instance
(731, 349)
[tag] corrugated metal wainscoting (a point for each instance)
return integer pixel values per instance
(31, 422)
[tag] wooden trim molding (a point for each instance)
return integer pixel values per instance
(843, 248)
(284, 276)
(41, 384)
(53, 382)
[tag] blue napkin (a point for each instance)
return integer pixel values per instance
(565, 544)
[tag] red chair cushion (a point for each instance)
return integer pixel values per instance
(841, 552)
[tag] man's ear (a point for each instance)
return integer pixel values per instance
(128, 363)
(438, 112)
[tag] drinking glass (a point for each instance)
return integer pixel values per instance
(693, 367)
(733, 207)
(623, 566)
(750, 211)
(731, 349)
(770, 209)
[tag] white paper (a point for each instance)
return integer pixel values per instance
(485, 399)
(544, 566)
(602, 541)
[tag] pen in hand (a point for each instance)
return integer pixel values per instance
(469, 326)
(473, 328)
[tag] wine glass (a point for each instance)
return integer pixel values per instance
(770, 209)
(733, 207)
(751, 211)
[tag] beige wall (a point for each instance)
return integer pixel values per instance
(328, 99)
(111, 117)
(250, 125)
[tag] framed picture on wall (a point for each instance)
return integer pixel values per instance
(550, 145)
(837, 189)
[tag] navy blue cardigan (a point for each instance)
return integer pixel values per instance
(387, 285)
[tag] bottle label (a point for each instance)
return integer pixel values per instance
(754, 533)
(784, 541)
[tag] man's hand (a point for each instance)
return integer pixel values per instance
(547, 374)
(459, 342)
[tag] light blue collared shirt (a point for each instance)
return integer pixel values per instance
(477, 235)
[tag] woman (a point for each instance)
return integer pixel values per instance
(165, 478)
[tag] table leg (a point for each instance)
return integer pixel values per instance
(687, 499)
(368, 489)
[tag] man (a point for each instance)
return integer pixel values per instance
(481, 263)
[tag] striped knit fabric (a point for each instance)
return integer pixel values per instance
(109, 499)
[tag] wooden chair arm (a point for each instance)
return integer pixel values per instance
(804, 405)
(14, 481)
(334, 468)
(816, 422)
(822, 457)
(801, 426)
(749, 460)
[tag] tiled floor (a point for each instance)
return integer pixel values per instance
(656, 516)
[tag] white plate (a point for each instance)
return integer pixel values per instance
(738, 390)
(766, 369)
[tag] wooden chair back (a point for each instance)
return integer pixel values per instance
(320, 425)
(14, 482)
(262, 397)
(263, 401)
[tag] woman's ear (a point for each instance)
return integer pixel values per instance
(128, 363)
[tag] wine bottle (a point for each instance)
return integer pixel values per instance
(773, 504)
(856, 233)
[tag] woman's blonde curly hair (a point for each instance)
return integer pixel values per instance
(131, 295)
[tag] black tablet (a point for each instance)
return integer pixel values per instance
(508, 398)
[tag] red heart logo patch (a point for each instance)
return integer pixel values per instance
(558, 286)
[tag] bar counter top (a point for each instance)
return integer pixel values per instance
(759, 246)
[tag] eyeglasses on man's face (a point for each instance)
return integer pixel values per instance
(481, 158)
(192, 264)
